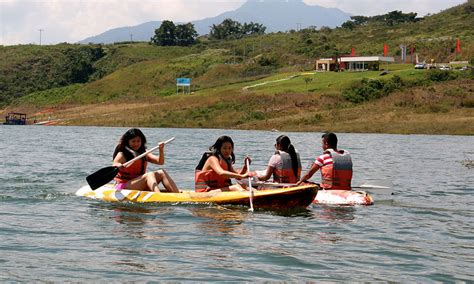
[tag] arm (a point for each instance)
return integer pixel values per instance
(272, 164)
(214, 165)
(119, 160)
(267, 175)
(314, 168)
(244, 168)
(160, 159)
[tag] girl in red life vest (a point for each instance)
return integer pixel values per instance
(135, 176)
(285, 164)
(215, 168)
(335, 165)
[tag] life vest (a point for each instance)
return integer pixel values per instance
(283, 173)
(134, 170)
(209, 179)
(337, 175)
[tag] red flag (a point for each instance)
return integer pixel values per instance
(385, 49)
(458, 46)
(353, 52)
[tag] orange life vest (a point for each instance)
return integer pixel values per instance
(209, 179)
(134, 170)
(284, 173)
(337, 175)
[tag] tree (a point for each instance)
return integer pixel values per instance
(359, 20)
(170, 35)
(165, 35)
(349, 25)
(230, 29)
(185, 34)
(307, 81)
(253, 29)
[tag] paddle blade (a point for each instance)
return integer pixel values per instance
(378, 186)
(101, 177)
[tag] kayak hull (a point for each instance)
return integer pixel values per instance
(343, 197)
(274, 199)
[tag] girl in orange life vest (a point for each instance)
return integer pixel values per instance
(335, 165)
(215, 168)
(132, 144)
(285, 164)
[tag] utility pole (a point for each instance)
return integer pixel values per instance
(40, 30)
(131, 37)
(298, 26)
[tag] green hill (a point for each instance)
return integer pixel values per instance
(254, 82)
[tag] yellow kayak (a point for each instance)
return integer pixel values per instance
(275, 199)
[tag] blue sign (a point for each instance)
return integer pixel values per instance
(183, 81)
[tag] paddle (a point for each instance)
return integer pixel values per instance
(379, 187)
(374, 188)
(250, 187)
(105, 175)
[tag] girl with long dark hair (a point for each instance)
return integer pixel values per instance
(285, 164)
(215, 169)
(132, 144)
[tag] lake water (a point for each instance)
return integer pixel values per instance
(424, 234)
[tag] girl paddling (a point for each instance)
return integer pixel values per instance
(215, 168)
(132, 144)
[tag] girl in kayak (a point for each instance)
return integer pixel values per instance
(215, 169)
(132, 144)
(285, 164)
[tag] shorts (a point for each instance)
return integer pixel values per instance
(120, 185)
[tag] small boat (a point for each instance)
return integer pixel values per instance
(273, 199)
(343, 197)
(16, 118)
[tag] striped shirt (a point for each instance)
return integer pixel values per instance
(323, 160)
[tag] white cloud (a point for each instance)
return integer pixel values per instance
(74, 20)
(378, 7)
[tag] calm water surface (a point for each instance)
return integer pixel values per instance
(424, 234)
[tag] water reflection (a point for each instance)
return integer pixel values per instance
(136, 220)
(335, 212)
(220, 220)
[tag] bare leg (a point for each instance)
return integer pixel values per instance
(152, 182)
(144, 182)
(163, 177)
(236, 187)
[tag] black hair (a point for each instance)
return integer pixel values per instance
(331, 139)
(123, 143)
(216, 148)
(286, 146)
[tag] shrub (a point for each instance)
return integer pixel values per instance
(254, 115)
(469, 103)
(266, 60)
(367, 90)
(440, 75)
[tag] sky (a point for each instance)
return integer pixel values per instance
(54, 21)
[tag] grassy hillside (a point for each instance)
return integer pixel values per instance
(28, 68)
(260, 82)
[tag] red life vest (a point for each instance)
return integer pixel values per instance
(337, 175)
(134, 170)
(284, 173)
(209, 180)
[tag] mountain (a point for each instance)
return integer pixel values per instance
(142, 32)
(276, 15)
